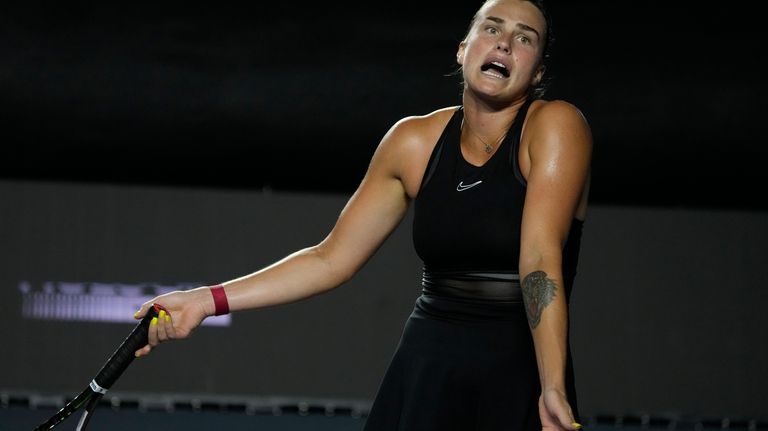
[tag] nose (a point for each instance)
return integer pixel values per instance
(502, 45)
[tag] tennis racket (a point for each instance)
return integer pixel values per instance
(107, 376)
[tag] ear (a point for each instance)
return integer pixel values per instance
(539, 75)
(460, 52)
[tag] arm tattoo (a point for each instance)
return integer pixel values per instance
(538, 292)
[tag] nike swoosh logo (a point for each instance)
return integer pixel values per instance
(461, 187)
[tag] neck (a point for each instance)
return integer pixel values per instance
(485, 126)
(491, 113)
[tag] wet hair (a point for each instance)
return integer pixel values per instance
(536, 91)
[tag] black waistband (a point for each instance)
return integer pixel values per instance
(475, 286)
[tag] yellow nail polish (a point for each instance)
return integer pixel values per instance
(136, 315)
(154, 321)
(136, 354)
(576, 425)
(161, 314)
(167, 317)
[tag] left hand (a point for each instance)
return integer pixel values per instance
(555, 412)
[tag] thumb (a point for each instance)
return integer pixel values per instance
(142, 311)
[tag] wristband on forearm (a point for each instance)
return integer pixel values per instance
(220, 303)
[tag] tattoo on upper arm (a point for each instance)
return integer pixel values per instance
(538, 292)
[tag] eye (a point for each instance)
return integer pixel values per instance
(492, 30)
(524, 39)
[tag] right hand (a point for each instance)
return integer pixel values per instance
(184, 311)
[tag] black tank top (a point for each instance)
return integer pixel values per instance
(467, 218)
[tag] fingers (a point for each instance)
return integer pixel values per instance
(160, 329)
(143, 351)
(142, 310)
(556, 413)
(566, 420)
(170, 331)
(159, 324)
(165, 330)
(565, 416)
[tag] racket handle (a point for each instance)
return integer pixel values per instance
(125, 354)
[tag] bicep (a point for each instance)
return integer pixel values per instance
(560, 153)
(370, 215)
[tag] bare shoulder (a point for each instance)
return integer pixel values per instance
(409, 143)
(549, 113)
(559, 124)
(420, 129)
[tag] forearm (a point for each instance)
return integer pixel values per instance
(303, 274)
(546, 308)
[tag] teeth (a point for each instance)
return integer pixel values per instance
(496, 63)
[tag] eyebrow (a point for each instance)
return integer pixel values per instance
(521, 26)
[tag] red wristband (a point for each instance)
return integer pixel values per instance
(220, 302)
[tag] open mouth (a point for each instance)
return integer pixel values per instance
(496, 69)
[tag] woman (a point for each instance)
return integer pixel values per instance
(499, 186)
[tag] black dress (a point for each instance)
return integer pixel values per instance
(466, 359)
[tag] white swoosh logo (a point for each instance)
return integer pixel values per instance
(461, 187)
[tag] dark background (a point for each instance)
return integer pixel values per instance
(199, 139)
(295, 96)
